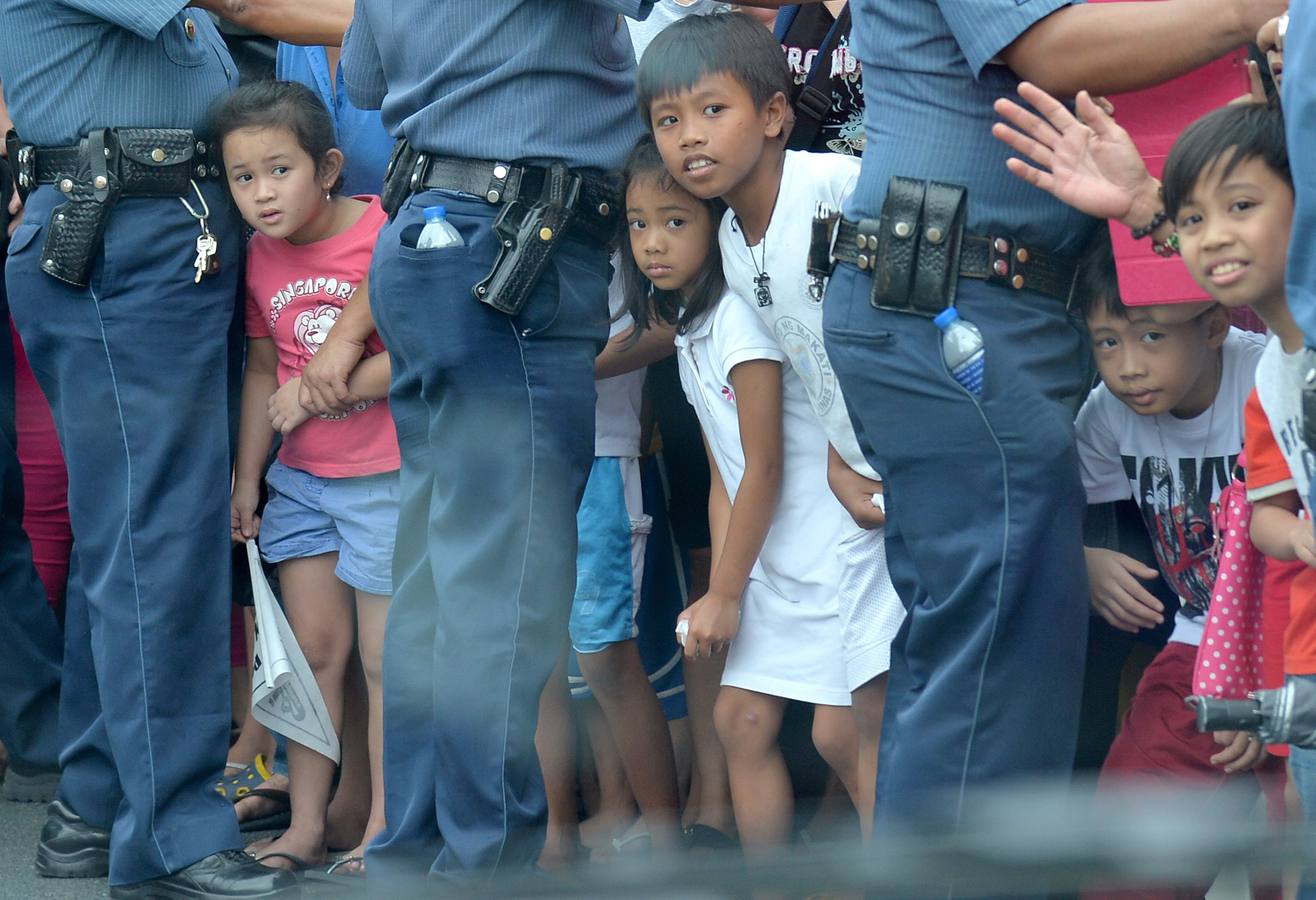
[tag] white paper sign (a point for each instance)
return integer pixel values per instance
(284, 695)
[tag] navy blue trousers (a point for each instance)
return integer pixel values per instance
(495, 419)
(30, 671)
(985, 511)
(135, 368)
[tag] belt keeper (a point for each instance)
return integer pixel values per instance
(498, 182)
(1004, 262)
(98, 164)
(866, 243)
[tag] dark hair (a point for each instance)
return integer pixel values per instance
(643, 300)
(695, 47)
(1227, 137)
(277, 104)
(1097, 284)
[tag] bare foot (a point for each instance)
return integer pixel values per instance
(598, 831)
(307, 847)
(251, 808)
(561, 849)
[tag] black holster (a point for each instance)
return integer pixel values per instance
(917, 243)
(529, 234)
(110, 163)
(399, 177)
(77, 226)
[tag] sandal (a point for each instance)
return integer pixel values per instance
(298, 864)
(706, 837)
(333, 876)
(348, 861)
(249, 776)
(272, 821)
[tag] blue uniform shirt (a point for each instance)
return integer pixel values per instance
(70, 66)
(365, 144)
(1299, 97)
(532, 80)
(929, 85)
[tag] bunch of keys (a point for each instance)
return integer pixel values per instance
(207, 245)
(207, 250)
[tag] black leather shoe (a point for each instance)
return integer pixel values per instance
(70, 848)
(229, 873)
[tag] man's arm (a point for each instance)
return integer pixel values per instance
(1107, 48)
(294, 21)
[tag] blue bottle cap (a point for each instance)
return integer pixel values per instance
(433, 213)
(945, 317)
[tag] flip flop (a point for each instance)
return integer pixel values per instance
(249, 776)
(298, 864)
(347, 861)
(332, 876)
(273, 821)
(706, 837)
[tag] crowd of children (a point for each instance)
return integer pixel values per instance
(793, 604)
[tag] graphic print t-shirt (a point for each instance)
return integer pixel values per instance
(1174, 469)
(840, 78)
(295, 293)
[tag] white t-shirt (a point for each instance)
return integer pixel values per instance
(798, 560)
(1279, 387)
(617, 410)
(1174, 469)
(795, 313)
(664, 13)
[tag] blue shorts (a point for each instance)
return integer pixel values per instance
(612, 529)
(354, 517)
(664, 594)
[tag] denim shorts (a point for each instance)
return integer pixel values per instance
(356, 518)
(612, 530)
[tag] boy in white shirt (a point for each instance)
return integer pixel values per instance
(733, 146)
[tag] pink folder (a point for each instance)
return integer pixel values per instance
(1154, 118)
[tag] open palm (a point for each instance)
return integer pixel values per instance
(1087, 161)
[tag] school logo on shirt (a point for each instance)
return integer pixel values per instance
(809, 360)
(728, 395)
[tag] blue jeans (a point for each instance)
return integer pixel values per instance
(983, 541)
(30, 673)
(495, 419)
(135, 368)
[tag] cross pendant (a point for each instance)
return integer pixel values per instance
(762, 289)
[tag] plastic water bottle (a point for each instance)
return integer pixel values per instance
(961, 347)
(438, 231)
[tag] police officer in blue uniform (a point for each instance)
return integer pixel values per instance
(983, 497)
(511, 114)
(122, 279)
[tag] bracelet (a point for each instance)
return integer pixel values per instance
(1167, 248)
(1150, 228)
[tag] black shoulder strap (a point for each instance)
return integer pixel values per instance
(813, 104)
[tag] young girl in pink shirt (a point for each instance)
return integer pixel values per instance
(331, 517)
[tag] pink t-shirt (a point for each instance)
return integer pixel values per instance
(294, 295)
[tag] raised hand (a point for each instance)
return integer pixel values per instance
(1085, 160)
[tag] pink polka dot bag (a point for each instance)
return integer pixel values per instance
(1229, 657)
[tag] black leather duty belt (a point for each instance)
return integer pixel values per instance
(596, 216)
(996, 260)
(146, 162)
